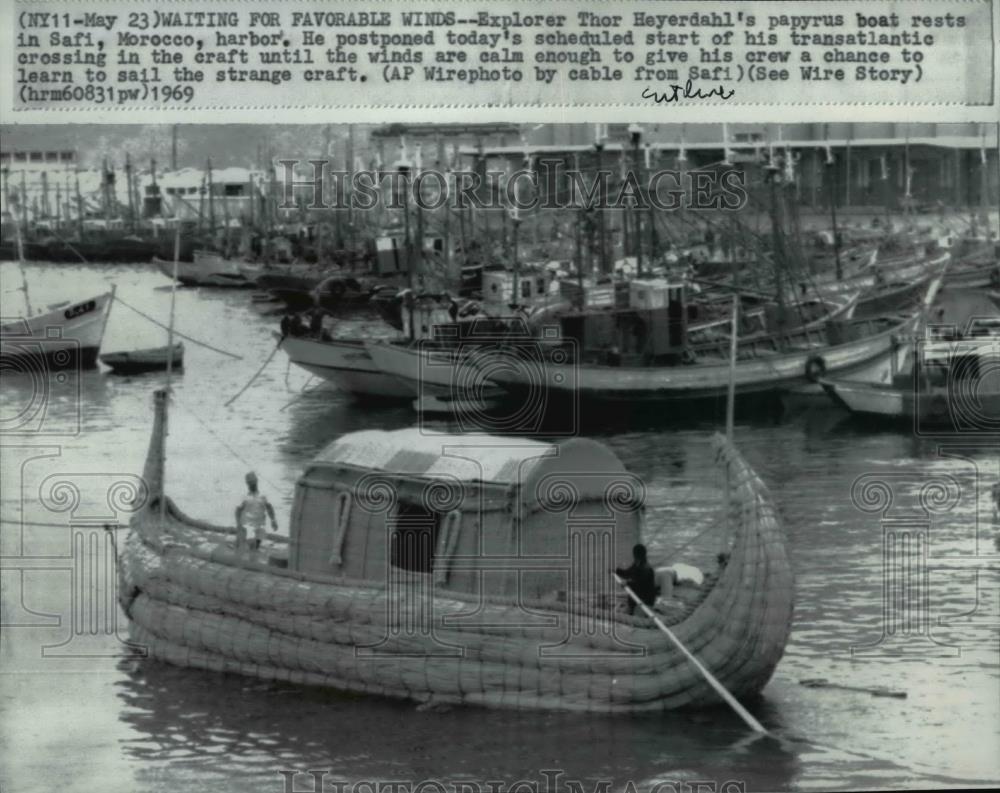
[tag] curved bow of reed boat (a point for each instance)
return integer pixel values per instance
(194, 600)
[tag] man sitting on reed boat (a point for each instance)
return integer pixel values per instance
(250, 514)
(640, 578)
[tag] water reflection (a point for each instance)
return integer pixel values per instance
(249, 730)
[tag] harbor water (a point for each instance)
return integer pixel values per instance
(900, 599)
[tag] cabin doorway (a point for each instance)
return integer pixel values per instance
(414, 537)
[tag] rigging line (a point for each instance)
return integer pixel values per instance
(230, 449)
(257, 374)
(303, 393)
(68, 525)
(178, 333)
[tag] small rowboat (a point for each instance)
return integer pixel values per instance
(152, 359)
(460, 569)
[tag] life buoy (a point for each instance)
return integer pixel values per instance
(815, 368)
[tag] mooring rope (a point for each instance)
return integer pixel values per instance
(178, 333)
(257, 374)
(250, 466)
(302, 393)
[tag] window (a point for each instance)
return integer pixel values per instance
(341, 515)
(414, 536)
(525, 288)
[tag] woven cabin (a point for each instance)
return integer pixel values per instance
(474, 513)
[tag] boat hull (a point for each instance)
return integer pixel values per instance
(934, 410)
(194, 601)
(346, 364)
(206, 270)
(67, 337)
(771, 373)
(150, 360)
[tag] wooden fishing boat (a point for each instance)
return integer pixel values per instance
(949, 384)
(151, 359)
(905, 270)
(206, 269)
(892, 296)
(650, 358)
(65, 336)
(460, 569)
(975, 275)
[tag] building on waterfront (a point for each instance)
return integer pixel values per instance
(852, 164)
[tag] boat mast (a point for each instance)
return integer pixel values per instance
(984, 185)
(832, 192)
(601, 230)
(128, 186)
(79, 205)
(731, 394)
(166, 393)
(20, 267)
(636, 132)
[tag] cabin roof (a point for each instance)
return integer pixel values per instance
(470, 457)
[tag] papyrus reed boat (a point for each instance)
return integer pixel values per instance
(458, 569)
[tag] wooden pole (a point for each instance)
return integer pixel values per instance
(729, 699)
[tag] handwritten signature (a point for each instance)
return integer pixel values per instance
(686, 91)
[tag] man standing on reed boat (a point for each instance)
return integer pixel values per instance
(640, 578)
(250, 514)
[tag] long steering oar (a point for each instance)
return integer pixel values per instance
(719, 688)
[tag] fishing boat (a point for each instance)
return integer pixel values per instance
(951, 383)
(151, 359)
(346, 363)
(892, 296)
(205, 269)
(461, 569)
(651, 359)
(65, 336)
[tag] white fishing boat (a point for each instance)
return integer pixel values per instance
(64, 336)
(347, 364)
(463, 569)
(206, 269)
(949, 384)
